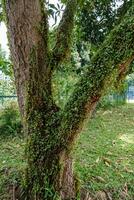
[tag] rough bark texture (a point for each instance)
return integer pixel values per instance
(51, 131)
(24, 20)
(68, 190)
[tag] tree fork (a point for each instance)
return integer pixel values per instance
(51, 131)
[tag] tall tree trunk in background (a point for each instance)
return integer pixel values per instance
(51, 131)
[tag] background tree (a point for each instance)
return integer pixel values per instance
(51, 130)
(94, 22)
(5, 64)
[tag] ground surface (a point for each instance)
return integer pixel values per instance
(11, 163)
(104, 155)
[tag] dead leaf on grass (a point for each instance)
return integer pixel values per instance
(97, 160)
(128, 170)
(106, 160)
(107, 164)
(99, 178)
(101, 195)
(109, 153)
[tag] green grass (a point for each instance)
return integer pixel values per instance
(11, 163)
(104, 155)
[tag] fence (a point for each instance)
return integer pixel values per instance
(126, 96)
(4, 99)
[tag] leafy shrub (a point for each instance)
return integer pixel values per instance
(10, 123)
(112, 100)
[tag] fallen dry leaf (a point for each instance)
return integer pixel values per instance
(107, 160)
(97, 160)
(99, 178)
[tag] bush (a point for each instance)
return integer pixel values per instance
(113, 100)
(10, 123)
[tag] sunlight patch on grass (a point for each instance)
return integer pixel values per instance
(128, 138)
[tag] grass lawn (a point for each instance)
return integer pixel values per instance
(11, 163)
(104, 154)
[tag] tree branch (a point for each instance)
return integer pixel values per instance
(64, 33)
(123, 70)
(116, 51)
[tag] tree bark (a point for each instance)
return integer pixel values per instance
(26, 23)
(68, 185)
(51, 131)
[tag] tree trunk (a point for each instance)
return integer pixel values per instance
(51, 132)
(24, 21)
(48, 172)
(68, 185)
